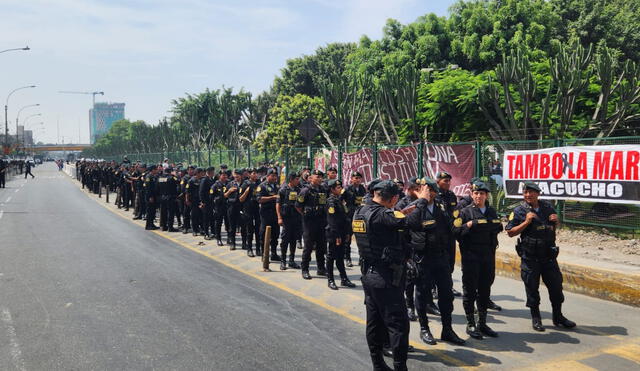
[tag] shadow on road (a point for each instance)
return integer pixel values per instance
(601, 330)
(469, 357)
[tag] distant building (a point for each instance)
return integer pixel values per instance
(102, 116)
(28, 138)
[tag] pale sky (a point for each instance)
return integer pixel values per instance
(147, 52)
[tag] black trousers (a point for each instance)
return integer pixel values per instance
(196, 217)
(434, 270)
(139, 207)
(291, 232)
(235, 221)
(28, 172)
(219, 215)
(531, 270)
(313, 234)
(387, 319)
(167, 212)
(452, 255)
(186, 215)
(2, 180)
(478, 273)
(335, 253)
(207, 225)
(270, 220)
(151, 212)
(251, 227)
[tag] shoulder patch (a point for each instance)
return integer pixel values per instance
(301, 198)
(429, 222)
(398, 214)
(457, 223)
(456, 213)
(332, 210)
(511, 216)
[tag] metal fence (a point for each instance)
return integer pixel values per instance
(487, 163)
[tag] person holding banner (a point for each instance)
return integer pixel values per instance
(477, 227)
(536, 222)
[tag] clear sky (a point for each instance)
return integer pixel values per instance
(147, 52)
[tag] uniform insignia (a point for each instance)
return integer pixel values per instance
(342, 192)
(301, 198)
(497, 221)
(211, 191)
(442, 207)
(398, 214)
(428, 222)
(182, 182)
(454, 203)
(458, 222)
(332, 210)
(359, 200)
(359, 226)
(322, 199)
(456, 213)
(293, 196)
(258, 189)
(482, 221)
(187, 186)
(224, 189)
(511, 216)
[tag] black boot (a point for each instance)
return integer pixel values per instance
(559, 320)
(472, 330)
(220, 243)
(306, 275)
(332, 284)
(293, 264)
(432, 309)
(482, 324)
(493, 306)
(449, 335)
(348, 262)
(536, 319)
(411, 313)
(283, 266)
(425, 332)
(233, 246)
(345, 282)
(379, 364)
(321, 272)
(250, 252)
(275, 257)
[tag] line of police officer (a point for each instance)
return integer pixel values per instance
(411, 240)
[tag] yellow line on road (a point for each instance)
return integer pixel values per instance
(437, 350)
(628, 351)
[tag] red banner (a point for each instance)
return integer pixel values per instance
(402, 163)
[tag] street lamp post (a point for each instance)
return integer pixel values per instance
(24, 127)
(14, 49)
(6, 118)
(18, 118)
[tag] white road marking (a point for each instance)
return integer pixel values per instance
(17, 190)
(1, 213)
(16, 353)
(8, 199)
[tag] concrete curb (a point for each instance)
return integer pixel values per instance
(595, 282)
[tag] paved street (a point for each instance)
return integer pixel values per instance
(82, 287)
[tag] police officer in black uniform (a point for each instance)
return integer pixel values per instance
(477, 227)
(536, 222)
(234, 205)
(206, 203)
(353, 197)
(289, 219)
(137, 178)
(377, 230)
(167, 186)
(430, 233)
(267, 197)
(192, 200)
(449, 200)
(3, 172)
(151, 196)
(311, 204)
(251, 211)
(182, 197)
(337, 231)
(217, 192)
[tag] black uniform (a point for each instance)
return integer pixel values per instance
(204, 193)
(449, 200)
(430, 229)
(251, 215)
(28, 169)
(377, 232)
(292, 220)
(3, 173)
(139, 204)
(167, 192)
(192, 188)
(537, 249)
(234, 206)
(353, 197)
(477, 247)
(269, 217)
(338, 226)
(182, 204)
(216, 192)
(151, 198)
(312, 201)
(406, 240)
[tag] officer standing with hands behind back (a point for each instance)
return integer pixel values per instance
(536, 222)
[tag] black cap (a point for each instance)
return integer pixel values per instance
(398, 181)
(414, 181)
(317, 172)
(151, 167)
(199, 170)
(387, 186)
(373, 183)
(211, 168)
(293, 175)
(191, 167)
(272, 171)
(430, 183)
(333, 183)
(168, 169)
(532, 186)
(223, 166)
(480, 186)
(306, 168)
(443, 174)
(332, 169)
(356, 174)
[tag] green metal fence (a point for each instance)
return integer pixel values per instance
(488, 162)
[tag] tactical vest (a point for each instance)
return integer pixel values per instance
(362, 231)
(287, 204)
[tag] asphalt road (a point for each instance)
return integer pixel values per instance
(83, 288)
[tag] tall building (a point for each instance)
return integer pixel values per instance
(102, 116)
